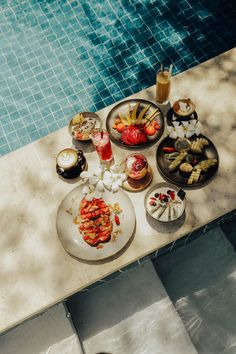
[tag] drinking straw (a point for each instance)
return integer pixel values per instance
(161, 68)
(170, 71)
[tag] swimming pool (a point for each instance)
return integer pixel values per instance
(60, 57)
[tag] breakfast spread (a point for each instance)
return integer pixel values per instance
(185, 157)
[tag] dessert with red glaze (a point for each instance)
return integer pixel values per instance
(136, 166)
(132, 135)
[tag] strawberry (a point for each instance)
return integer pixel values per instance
(117, 220)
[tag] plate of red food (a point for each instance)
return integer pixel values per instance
(95, 227)
(135, 123)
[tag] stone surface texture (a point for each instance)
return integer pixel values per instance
(35, 271)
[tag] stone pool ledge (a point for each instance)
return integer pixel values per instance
(36, 272)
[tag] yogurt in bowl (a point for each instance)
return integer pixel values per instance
(165, 202)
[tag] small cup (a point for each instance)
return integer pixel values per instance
(183, 108)
(136, 166)
(70, 163)
(163, 83)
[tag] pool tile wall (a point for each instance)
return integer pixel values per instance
(60, 57)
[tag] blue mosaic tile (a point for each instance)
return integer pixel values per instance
(60, 57)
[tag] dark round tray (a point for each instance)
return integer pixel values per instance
(122, 108)
(178, 179)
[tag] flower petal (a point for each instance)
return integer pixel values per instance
(115, 187)
(93, 180)
(98, 172)
(116, 168)
(107, 174)
(189, 133)
(89, 197)
(123, 177)
(85, 189)
(107, 182)
(169, 129)
(85, 174)
(100, 186)
(173, 135)
(176, 124)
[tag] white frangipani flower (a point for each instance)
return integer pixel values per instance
(196, 126)
(187, 129)
(111, 179)
(172, 132)
(183, 129)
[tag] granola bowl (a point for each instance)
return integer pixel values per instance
(82, 125)
(165, 202)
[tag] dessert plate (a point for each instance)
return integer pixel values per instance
(126, 107)
(178, 178)
(72, 239)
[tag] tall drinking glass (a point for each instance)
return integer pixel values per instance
(163, 83)
(101, 141)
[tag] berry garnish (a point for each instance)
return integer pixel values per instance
(152, 203)
(165, 200)
(169, 191)
(117, 220)
(172, 195)
(153, 198)
(156, 195)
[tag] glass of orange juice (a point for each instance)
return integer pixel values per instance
(163, 83)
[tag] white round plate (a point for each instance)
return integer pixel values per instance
(162, 188)
(72, 239)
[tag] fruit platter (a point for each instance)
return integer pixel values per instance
(165, 202)
(187, 162)
(96, 227)
(135, 123)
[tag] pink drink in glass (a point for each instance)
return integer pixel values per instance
(102, 144)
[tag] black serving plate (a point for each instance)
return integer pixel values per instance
(172, 117)
(122, 108)
(175, 176)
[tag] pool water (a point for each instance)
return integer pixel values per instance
(61, 57)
